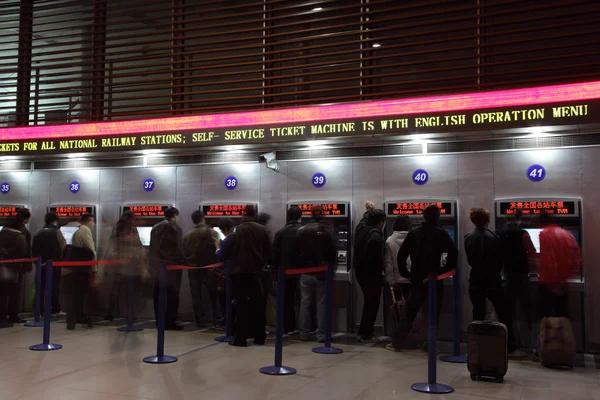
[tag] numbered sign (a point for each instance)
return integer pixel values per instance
(319, 180)
(420, 177)
(536, 173)
(5, 188)
(231, 182)
(148, 185)
(74, 187)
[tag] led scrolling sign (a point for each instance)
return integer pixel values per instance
(533, 207)
(71, 211)
(145, 210)
(322, 209)
(416, 208)
(225, 210)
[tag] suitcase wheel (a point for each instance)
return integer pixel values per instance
(475, 377)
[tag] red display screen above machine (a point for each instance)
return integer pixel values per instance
(147, 210)
(322, 209)
(9, 211)
(71, 211)
(225, 210)
(537, 207)
(416, 208)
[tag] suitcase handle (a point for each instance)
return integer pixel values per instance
(394, 295)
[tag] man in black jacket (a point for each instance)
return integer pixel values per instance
(14, 302)
(49, 243)
(368, 265)
(425, 245)
(248, 250)
(285, 255)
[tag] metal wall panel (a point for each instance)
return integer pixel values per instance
(189, 190)
(19, 187)
(337, 172)
(274, 195)
(39, 198)
(89, 186)
(213, 183)
(111, 198)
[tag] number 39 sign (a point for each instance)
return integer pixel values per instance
(319, 180)
(536, 173)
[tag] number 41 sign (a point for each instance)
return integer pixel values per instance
(536, 173)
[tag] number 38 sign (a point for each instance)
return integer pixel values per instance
(231, 182)
(536, 173)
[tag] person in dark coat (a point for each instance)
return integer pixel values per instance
(13, 245)
(14, 303)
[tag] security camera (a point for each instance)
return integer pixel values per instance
(270, 159)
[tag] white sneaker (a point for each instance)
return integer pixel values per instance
(372, 339)
(391, 347)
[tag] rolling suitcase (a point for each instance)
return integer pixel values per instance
(556, 343)
(418, 332)
(487, 354)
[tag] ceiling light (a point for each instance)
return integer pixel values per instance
(538, 131)
(318, 9)
(376, 45)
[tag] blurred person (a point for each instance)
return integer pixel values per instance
(199, 247)
(13, 245)
(226, 227)
(49, 244)
(263, 219)
(485, 254)
(425, 246)
(78, 280)
(14, 302)
(393, 243)
(248, 250)
(368, 267)
(124, 244)
(518, 252)
(316, 248)
(166, 248)
(285, 255)
(560, 257)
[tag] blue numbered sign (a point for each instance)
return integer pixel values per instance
(148, 185)
(231, 182)
(536, 173)
(74, 187)
(319, 180)
(5, 188)
(420, 177)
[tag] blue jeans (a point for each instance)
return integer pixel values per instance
(313, 290)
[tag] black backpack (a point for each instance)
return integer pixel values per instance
(425, 253)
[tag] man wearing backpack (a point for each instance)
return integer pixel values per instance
(199, 248)
(425, 245)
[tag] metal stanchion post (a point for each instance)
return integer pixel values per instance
(278, 369)
(38, 295)
(228, 338)
(327, 349)
(431, 386)
(160, 357)
(130, 301)
(455, 357)
(46, 345)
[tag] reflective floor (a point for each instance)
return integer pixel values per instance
(101, 363)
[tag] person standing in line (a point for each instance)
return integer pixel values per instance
(316, 248)
(485, 254)
(560, 257)
(14, 303)
(13, 245)
(393, 243)
(226, 228)
(49, 244)
(248, 250)
(285, 255)
(166, 248)
(78, 280)
(199, 247)
(425, 246)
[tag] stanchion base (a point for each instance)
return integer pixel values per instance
(160, 359)
(224, 339)
(45, 347)
(454, 359)
(434, 388)
(327, 350)
(273, 370)
(130, 329)
(34, 324)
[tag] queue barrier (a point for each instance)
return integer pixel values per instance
(432, 386)
(455, 357)
(36, 323)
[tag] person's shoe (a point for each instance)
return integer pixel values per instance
(425, 348)
(108, 317)
(17, 320)
(518, 353)
(71, 327)
(259, 342)
(369, 339)
(304, 337)
(244, 344)
(174, 328)
(219, 327)
(391, 347)
(6, 324)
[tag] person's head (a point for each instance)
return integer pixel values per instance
(369, 205)
(251, 211)
(480, 217)
(377, 219)
(125, 222)
(402, 224)
(294, 214)
(544, 218)
(316, 212)
(24, 214)
(87, 220)
(431, 214)
(263, 218)
(172, 213)
(51, 219)
(197, 217)
(226, 225)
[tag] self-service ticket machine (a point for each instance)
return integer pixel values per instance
(71, 213)
(8, 212)
(337, 215)
(563, 212)
(146, 216)
(449, 221)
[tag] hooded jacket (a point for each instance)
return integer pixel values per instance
(390, 257)
(49, 243)
(248, 249)
(368, 248)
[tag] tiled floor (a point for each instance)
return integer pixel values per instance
(103, 364)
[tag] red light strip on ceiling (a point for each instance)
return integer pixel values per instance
(471, 101)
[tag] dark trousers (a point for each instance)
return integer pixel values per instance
(419, 296)
(289, 313)
(8, 290)
(119, 293)
(553, 299)
(518, 288)
(495, 294)
(56, 275)
(14, 301)
(173, 287)
(250, 303)
(115, 295)
(76, 288)
(197, 278)
(371, 286)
